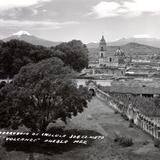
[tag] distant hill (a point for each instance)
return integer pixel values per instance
(92, 45)
(25, 36)
(155, 42)
(130, 49)
(146, 41)
(140, 49)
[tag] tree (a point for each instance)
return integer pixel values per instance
(40, 94)
(73, 53)
(16, 54)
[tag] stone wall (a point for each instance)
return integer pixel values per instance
(133, 90)
(147, 124)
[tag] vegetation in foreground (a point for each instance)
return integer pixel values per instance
(40, 94)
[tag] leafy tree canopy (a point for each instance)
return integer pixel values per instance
(40, 94)
(73, 53)
(15, 54)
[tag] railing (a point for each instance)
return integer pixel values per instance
(145, 123)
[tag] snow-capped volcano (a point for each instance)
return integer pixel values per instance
(20, 33)
(26, 36)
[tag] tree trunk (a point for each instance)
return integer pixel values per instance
(43, 126)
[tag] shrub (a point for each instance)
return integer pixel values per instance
(145, 142)
(131, 123)
(157, 143)
(115, 111)
(126, 141)
(117, 138)
(124, 116)
(123, 140)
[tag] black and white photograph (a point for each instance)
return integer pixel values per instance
(79, 79)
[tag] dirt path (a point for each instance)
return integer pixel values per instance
(101, 118)
(88, 119)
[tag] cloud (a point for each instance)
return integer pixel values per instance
(1, 37)
(105, 9)
(35, 24)
(143, 6)
(7, 4)
(142, 36)
(126, 8)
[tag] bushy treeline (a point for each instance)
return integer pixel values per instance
(15, 54)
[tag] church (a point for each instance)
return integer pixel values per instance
(107, 59)
(109, 63)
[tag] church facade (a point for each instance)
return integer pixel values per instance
(109, 63)
(107, 59)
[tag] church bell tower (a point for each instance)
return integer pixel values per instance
(102, 51)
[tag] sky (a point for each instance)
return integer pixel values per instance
(87, 20)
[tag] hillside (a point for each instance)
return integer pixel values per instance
(25, 36)
(155, 42)
(130, 49)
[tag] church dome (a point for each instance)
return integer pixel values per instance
(119, 52)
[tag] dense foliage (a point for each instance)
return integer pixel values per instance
(73, 53)
(40, 94)
(149, 106)
(15, 54)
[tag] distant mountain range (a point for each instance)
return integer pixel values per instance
(25, 36)
(146, 41)
(132, 46)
